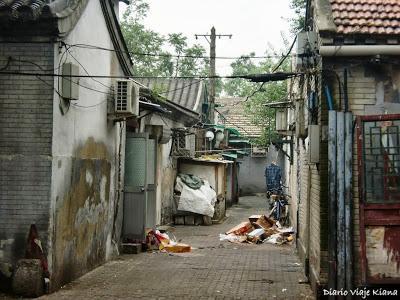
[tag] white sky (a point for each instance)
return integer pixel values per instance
(254, 24)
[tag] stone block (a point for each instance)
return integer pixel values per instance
(189, 220)
(207, 220)
(179, 220)
(198, 220)
(131, 248)
(28, 280)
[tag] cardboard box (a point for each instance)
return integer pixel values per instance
(178, 248)
(254, 218)
(264, 222)
(241, 229)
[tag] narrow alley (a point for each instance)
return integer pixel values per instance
(212, 270)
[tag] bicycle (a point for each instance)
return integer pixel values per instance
(279, 207)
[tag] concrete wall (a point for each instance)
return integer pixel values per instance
(252, 171)
(26, 105)
(85, 158)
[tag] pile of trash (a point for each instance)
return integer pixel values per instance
(160, 240)
(259, 229)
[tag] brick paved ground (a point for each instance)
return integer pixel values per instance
(213, 270)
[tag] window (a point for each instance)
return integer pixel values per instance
(381, 159)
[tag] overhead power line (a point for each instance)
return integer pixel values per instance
(244, 76)
(93, 47)
(274, 69)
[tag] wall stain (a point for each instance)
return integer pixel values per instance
(81, 219)
(392, 244)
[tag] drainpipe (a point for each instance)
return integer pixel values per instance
(346, 95)
(362, 50)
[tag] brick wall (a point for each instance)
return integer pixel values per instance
(26, 105)
(310, 191)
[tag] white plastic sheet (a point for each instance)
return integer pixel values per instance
(199, 201)
(232, 238)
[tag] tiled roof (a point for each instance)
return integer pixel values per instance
(24, 10)
(380, 17)
(188, 93)
(235, 116)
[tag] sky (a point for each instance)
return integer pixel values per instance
(255, 25)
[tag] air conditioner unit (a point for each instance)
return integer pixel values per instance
(127, 98)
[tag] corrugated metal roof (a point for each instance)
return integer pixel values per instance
(380, 17)
(233, 111)
(188, 93)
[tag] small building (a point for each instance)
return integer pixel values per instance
(345, 181)
(86, 153)
(162, 133)
(232, 113)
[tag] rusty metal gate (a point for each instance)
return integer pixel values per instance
(378, 141)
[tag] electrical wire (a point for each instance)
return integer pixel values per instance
(33, 63)
(7, 64)
(241, 76)
(90, 88)
(274, 69)
(83, 67)
(93, 47)
(286, 56)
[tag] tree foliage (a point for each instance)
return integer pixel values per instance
(258, 95)
(297, 23)
(145, 46)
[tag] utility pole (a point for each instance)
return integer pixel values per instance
(212, 72)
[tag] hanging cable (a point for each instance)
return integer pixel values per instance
(93, 47)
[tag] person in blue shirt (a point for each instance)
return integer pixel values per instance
(273, 178)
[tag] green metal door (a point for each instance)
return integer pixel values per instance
(135, 187)
(151, 183)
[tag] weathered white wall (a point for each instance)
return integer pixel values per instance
(166, 168)
(85, 156)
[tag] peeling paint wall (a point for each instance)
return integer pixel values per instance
(86, 208)
(81, 224)
(166, 170)
(383, 251)
(166, 183)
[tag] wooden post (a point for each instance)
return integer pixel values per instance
(332, 201)
(341, 275)
(348, 200)
(212, 74)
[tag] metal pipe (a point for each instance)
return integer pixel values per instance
(332, 202)
(345, 92)
(328, 98)
(348, 200)
(361, 50)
